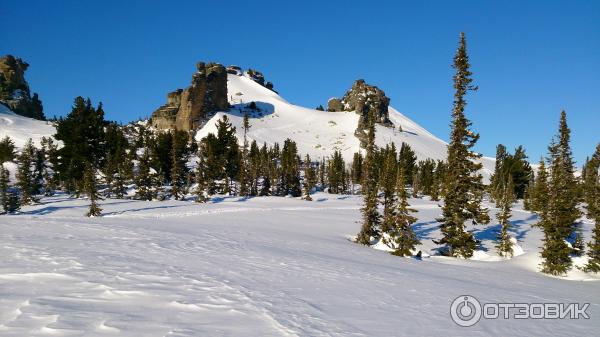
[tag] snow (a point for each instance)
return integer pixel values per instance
(20, 128)
(319, 133)
(265, 266)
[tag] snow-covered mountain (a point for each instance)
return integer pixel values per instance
(316, 132)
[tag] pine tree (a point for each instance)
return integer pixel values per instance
(310, 177)
(201, 177)
(592, 197)
(245, 179)
(388, 186)
(4, 181)
(90, 188)
(464, 188)
(25, 179)
(401, 234)
(176, 183)
(540, 191)
(370, 214)
(505, 201)
(558, 222)
(143, 178)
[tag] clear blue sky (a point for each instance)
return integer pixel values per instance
(530, 58)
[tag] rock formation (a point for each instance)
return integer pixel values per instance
(363, 99)
(14, 90)
(187, 108)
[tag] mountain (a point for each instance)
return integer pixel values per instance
(273, 119)
(317, 132)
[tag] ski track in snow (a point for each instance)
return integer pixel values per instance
(264, 266)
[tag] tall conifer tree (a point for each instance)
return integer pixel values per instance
(558, 222)
(370, 215)
(463, 182)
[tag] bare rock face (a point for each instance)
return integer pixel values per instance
(14, 90)
(187, 108)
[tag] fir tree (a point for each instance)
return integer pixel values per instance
(505, 201)
(310, 178)
(558, 222)
(388, 186)
(245, 179)
(464, 189)
(176, 183)
(401, 234)
(592, 197)
(7, 150)
(201, 183)
(25, 179)
(143, 179)
(82, 135)
(370, 214)
(90, 188)
(540, 191)
(4, 181)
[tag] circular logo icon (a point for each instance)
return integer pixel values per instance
(465, 310)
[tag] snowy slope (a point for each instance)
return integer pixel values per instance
(264, 266)
(319, 133)
(20, 128)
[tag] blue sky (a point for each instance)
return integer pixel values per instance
(530, 58)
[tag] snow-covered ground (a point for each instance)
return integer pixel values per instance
(20, 128)
(265, 266)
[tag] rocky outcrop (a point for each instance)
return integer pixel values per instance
(14, 90)
(363, 99)
(259, 78)
(187, 108)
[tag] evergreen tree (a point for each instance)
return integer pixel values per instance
(401, 234)
(592, 198)
(50, 161)
(505, 201)
(540, 191)
(176, 181)
(91, 190)
(143, 178)
(310, 178)
(407, 159)
(370, 214)
(4, 181)
(558, 222)
(82, 135)
(25, 179)
(357, 168)
(201, 180)
(388, 186)
(7, 150)
(290, 170)
(336, 173)
(245, 179)
(590, 184)
(463, 183)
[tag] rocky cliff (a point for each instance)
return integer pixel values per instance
(14, 89)
(187, 108)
